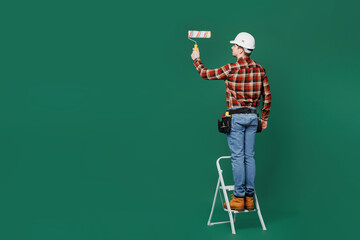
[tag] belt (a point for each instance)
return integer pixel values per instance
(241, 110)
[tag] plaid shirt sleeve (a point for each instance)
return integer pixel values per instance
(266, 95)
(211, 74)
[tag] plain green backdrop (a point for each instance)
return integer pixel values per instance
(108, 132)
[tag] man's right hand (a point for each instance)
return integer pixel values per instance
(263, 124)
(195, 54)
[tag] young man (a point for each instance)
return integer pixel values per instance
(246, 82)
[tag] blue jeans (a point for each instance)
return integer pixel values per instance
(241, 141)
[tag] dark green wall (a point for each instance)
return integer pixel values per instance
(108, 132)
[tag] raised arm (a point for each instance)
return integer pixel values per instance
(209, 74)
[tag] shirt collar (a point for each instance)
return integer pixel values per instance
(244, 58)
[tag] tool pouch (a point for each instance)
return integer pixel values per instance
(259, 126)
(224, 125)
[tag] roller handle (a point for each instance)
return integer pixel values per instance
(196, 47)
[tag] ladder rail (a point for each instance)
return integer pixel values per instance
(213, 205)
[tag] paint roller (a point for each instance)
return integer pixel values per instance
(198, 34)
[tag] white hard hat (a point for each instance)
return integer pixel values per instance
(245, 40)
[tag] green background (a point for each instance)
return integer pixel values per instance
(108, 132)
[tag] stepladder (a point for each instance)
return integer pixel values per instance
(222, 190)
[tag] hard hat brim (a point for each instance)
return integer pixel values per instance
(233, 42)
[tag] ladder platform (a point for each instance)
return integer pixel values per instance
(234, 211)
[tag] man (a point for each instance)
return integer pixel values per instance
(246, 82)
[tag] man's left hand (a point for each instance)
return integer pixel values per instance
(263, 124)
(195, 54)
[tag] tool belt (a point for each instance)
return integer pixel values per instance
(241, 110)
(224, 126)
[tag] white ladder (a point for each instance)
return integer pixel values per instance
(221, 185)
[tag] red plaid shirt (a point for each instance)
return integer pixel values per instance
(245, 81)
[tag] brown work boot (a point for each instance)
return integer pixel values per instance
(249, 203)
(237, 203)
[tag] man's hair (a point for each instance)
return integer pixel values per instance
(247, 54)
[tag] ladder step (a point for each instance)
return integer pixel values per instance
(234, 211)
(228, 187)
